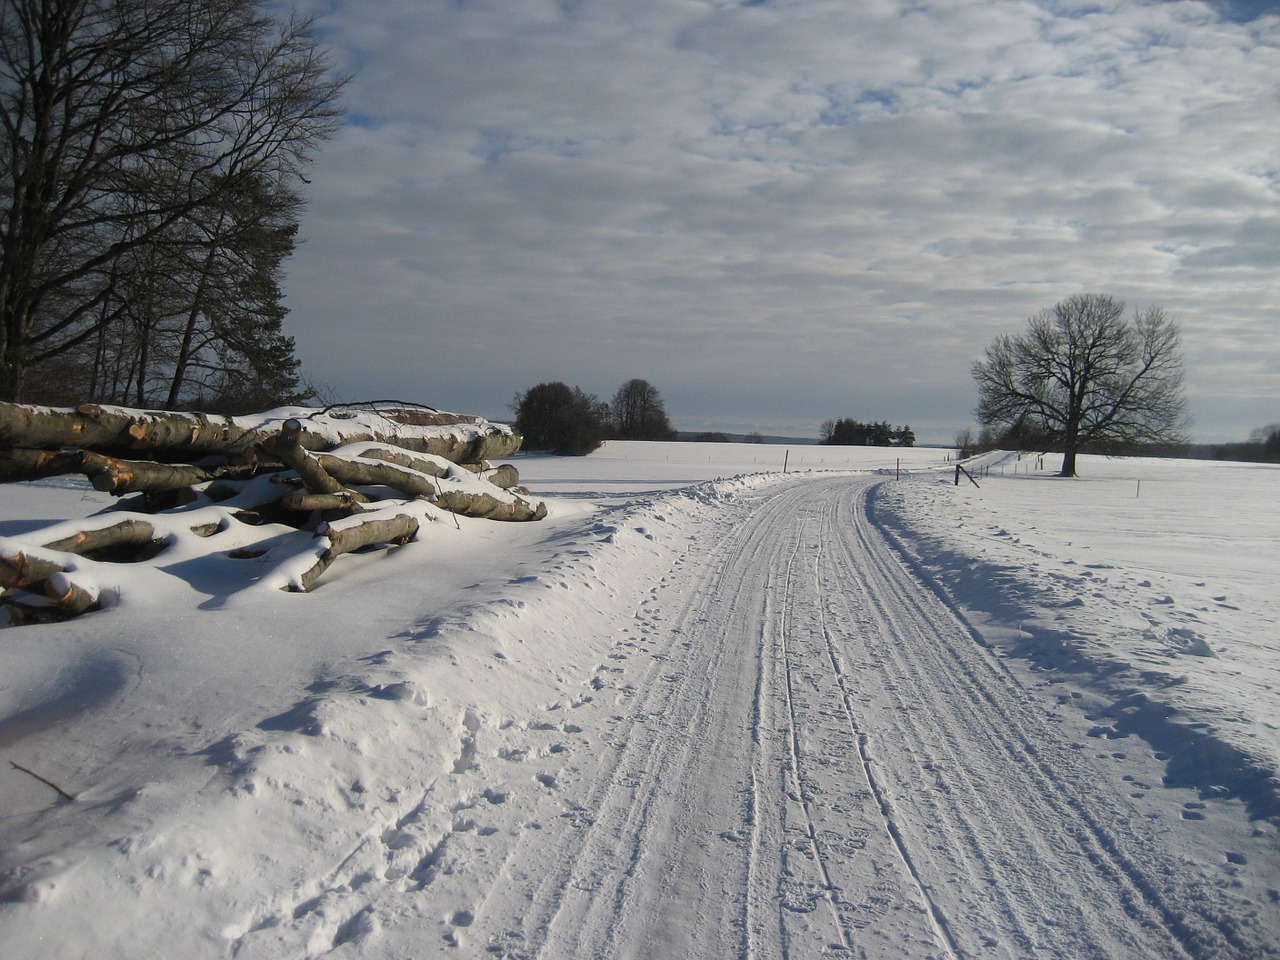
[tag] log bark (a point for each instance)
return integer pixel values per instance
(466, 503)
(90, 425)
(399, 529)
(504, 476)
(120, 430)
(285, 445)
(358, 473)
(125, 533)
(23, 464)
(119, 477)
(349, 501)
(70, 597)
(488, 507)
(402, 459)
(112, 475)
(19, 569)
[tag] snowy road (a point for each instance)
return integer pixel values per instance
(807, 754)
(726, 721)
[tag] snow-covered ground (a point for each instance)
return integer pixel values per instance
(1149, 583)
(682, 716)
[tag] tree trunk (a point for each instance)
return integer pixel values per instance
(1068, 463)
(189, 330)
(446, 496)
(37, 464)
(118, 477)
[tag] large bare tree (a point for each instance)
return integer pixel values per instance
(1081, 375)
(125, 126)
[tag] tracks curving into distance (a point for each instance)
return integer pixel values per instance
(814, 758)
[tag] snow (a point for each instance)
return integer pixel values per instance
(606, 733)
(1146, 578)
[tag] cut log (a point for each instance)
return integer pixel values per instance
(487, 506)
(349, 501)
(72, 598)
(19, 569)
(285, 445)
(119, 477)
(354, 473)
(112, 475)
(26, 464)
(402, 458)
(125, 533)
(504, 476)
(106, 428)
(116, 430)
(447, 497)
(364, 532)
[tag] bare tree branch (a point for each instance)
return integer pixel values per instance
(1081, 376)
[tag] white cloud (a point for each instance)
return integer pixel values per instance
(783, 212)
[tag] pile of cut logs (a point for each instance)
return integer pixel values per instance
(344, 474)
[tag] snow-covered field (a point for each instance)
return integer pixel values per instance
(681, 717)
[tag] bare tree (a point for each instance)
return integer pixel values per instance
(122, 123)
(561, 419)
(1081, 375)
(639, 414)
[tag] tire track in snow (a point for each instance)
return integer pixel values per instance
(879, 908)
(797, 791)
(1085, 871)
(582, 906)
(817, 759)
(936, 919)
(1007, 838)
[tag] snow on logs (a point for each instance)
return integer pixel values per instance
(122, 430)
(349, 476)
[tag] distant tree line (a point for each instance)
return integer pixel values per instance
(848, 432)
(1263, 446)
(565, 420)
(151, 156)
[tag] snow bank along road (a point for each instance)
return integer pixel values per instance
(795, 749)
(725, 722)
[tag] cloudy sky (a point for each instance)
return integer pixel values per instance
(784, 211)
